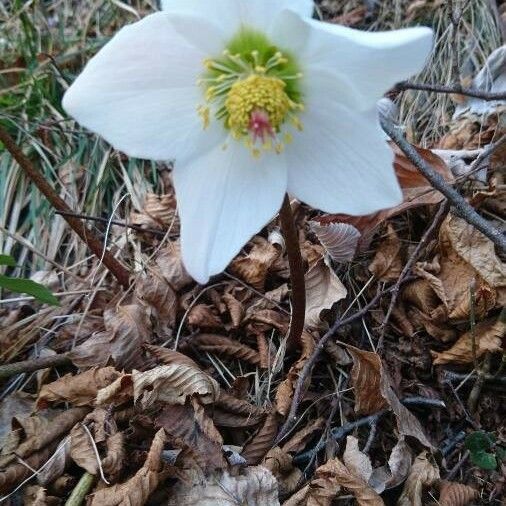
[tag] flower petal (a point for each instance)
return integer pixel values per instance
(140, 93)
(229, 15)
(365, 64)
(224, 198)
(341, 163)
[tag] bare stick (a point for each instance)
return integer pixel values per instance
(462, 207)
(453, 89)
(296, 265)
(95, 245)
(35, 364)
(438, 218)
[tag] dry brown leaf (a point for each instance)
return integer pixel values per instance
(173, 384)
(456, 494)
(255, 486)
(366, 379)
(323, 290)
(423, 473)
(235, 309)
(158, 211)
(117, 393)
(280, 465)
(263, 440)
(221, 345)
(356, 461)
(81, 449)
(115, 456)
(127, 330)
(254, 267)
(488, 337)
(56, 467)
(202, 315)
(35, 495)
(79, 389)
(191, 426)
(171, 266)
(137, 489)
(387, 263)
(167, 357)
(340, 240)
(299, 440)
(284, 392)
(231, 404)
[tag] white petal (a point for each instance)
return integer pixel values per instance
(341, 163)
(229, 15)
(365, 64)
(224, 198)
(140, 93)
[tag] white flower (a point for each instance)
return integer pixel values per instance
(252, 99)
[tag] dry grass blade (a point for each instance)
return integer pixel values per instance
(221, 345)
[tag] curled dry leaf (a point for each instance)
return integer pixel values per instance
(173, 384)
(280, 465)
(35, 495)
(137, 489)
(254, 267)
(323, 290)
(423, 473)
(56, 466)
(168, 357)
(221, 345)
(240, 407)
(171, 266)
(115, 456)
(191, 426)
(81, 449)
(158, 211)
(340, 240)
(487, 337)
(235, 309)
(262, 442)
(299, 440)
(356, 461)
(79, 389)
(456, 494)
(255, 486)
(387, 263)
(117, 393)
(202, 315)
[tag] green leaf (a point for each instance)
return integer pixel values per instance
(7, 260)
(40, 292)
(479, 441)
(501, 453)
(484, 460)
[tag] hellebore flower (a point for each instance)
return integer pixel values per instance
(252, 99)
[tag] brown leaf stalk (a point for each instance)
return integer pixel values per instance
(95, 245)
(296, 265)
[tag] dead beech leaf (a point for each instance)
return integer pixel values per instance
(171, 266)
(137, 489)
(221, 345)
(488, 336)
(280, 465)
(340, 240)
(387, 262)
(456, 494)
(423, 473)
(117, 393)
(167, 356)
(356, 461)
(81, 449)
(239, 407)
(254, 267)
(191, 426)
(262, 442)
(366, 379)
(158, 211)
(235, 309)
(299, 440)
(79, 389)
(255, 486)
(173, 384)
(35, 495)
(323, 290)
(202, 315)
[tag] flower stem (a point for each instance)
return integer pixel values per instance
(296, 265)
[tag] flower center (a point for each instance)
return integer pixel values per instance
(253, 88)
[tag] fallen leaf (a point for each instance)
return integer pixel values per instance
(323, 290)
(456, 494)
(387, 263)
(171, 266)
(35, 495)
(488, 337)
(221, 345)
(81, 449)
(262, 442)
(340, 240)
(299, 440)
(423, 474)
(202, 315)
(279, 463)
(79, 389)
(173, 384)
(158, 211)
(356, 461)
(255, 486)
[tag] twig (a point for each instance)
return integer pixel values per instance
(34, 364)
(462, 207)
(81, 490)
(453, 89)
(455, 469)
(438, 219)
(458, 377)
(95, 245)
(296, 265)
(298, 392)
(138, 228)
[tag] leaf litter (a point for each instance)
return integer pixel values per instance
(175, 393)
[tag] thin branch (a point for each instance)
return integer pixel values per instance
(453, 89)
(95, 245)
(35, 364)
(462, 207)
(296, 265)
